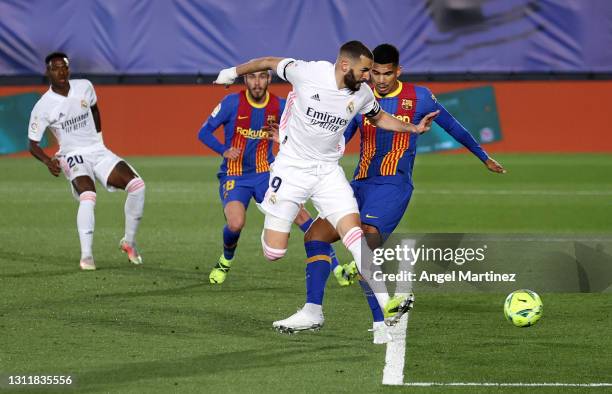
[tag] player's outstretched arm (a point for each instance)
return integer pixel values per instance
(227, 76)
(51, 163)
(385, 121)
(461, 135)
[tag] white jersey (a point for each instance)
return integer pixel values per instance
(317, 113)
(69, 118)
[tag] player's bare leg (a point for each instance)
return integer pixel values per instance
(303, 217)
(235, 216)
(372, 235)
(122, 177)
(86, 189)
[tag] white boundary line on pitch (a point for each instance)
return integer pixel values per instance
(395, 354)
(490, 384)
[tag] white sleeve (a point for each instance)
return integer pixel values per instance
(370, 107)
(292, 70)
(90, 94)
(38, 124)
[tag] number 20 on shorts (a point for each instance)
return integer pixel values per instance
(74, 160)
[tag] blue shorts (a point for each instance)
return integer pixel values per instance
(382, 204)
(242, 188)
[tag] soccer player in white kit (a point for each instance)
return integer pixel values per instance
(69, 110)
(324, 99)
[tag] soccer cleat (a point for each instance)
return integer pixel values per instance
(131, 252)
(396, 307)
(299, 321)
(381, 333)
(220, 270)
(87, 264)
(346, 274)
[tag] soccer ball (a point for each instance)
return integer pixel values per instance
(523, 308)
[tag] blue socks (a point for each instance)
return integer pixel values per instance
(306, 225)
(320, 262)
(377, 313)
(334, 260)
(317, 270)
(230, 242)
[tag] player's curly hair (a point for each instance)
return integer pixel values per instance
(54, 55)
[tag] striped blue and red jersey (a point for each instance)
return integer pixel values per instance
(391, 154)
(242, 121)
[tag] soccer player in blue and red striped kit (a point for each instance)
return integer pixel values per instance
(247, 155)
(382, 182)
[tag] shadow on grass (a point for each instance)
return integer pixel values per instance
(39, 274)
(210, 365)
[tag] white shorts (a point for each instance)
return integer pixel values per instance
(293, 183)
(95, 164)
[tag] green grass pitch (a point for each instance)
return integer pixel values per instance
(163, 328)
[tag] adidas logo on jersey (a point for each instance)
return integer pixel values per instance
(316, 97)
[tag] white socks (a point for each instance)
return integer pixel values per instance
(86, 222)
(353, 240)
(134, 206)
(313, 309)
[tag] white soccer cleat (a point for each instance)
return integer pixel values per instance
(87, 264)
(381, 333)
(130, 250)
(299, 321)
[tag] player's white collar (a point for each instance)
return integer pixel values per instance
(59, 95)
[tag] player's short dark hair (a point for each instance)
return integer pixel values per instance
(355, 49)
(385, 54)
(55, 55)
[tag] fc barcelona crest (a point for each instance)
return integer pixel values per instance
(271, 119)
(406, 104)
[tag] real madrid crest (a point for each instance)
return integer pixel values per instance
(350, 108)
(83, 104)
(406, 104)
